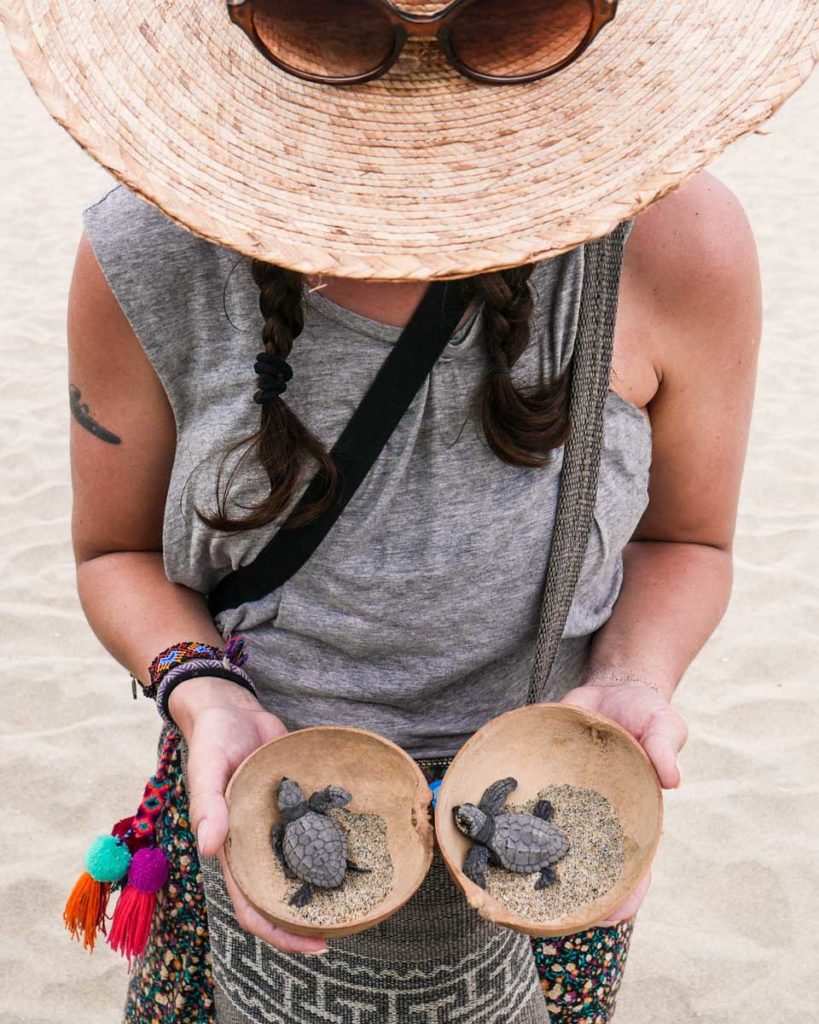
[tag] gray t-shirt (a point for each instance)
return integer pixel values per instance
(417, 615)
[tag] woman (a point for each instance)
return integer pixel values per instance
(161, 333)
(685, 349)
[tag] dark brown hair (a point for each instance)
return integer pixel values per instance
(522, 424)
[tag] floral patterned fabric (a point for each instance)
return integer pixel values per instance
(581, 974)
(173, 983)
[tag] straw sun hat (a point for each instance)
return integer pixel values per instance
(422, 173)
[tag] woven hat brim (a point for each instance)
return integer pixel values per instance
(421, 174)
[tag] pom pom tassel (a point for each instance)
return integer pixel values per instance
(126, 860)
(131, 923)
(84, 913)
(106, 861)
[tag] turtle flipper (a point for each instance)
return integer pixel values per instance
(544, 809)
(301, 897)
(547, 877)
(277, 838)
(356, 867)
(475, 864)
(496, 795)
(331, 796)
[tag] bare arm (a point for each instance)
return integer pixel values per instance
(693, 268)
(122, 448)
(698, 265)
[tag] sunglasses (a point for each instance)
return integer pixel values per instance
(346, 42)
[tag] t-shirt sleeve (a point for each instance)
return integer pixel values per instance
(151, 265)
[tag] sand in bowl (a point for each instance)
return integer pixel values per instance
(590, 868)
(362, 891)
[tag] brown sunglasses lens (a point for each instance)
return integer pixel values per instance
(519, 37)
(325, 37)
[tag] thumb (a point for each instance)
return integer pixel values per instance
(662, 741)
(663, 755)
(208, 775)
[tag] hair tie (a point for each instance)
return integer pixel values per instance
(273, 373)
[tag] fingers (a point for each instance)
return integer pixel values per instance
(208, 775)
(662, 740)
(252, 921)
(632, 904)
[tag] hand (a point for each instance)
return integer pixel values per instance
(222, 723)
(645, 713)
(648, 716)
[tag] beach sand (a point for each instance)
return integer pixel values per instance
(727, 934)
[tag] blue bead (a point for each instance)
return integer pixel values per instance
(435, 786)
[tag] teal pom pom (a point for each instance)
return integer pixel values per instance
(107, 859)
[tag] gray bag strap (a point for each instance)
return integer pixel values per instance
(581, 461)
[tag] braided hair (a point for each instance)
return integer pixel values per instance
(284, 445)
(522, 424)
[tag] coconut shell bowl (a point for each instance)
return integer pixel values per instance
(554, 744)
(382, 779)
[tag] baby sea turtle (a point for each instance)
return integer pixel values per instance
(518, 842)
(311, 845)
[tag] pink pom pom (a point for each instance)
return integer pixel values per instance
(149, 870)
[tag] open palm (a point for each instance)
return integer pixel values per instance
(222, 737)
(662, 733)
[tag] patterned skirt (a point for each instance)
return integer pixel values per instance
(173, 983)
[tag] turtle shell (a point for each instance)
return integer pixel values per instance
(315, 849)
(525, 843)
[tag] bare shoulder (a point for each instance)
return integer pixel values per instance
(701, 209)
(694, 306)
(699, 233)
(693, 248)
(690, 290)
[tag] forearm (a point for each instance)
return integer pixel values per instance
(136, 612)
(672, 598)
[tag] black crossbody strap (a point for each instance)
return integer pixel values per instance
(389, 396)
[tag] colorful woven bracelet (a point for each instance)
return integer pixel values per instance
(178, 654)
(210, 660)
(196, 669)
(189, 650)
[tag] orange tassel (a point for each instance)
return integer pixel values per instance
(84, 913)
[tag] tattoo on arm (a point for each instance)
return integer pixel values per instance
(82, 414)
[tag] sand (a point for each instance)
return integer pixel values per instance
(589, 868)
(362, 891)
(727, 934)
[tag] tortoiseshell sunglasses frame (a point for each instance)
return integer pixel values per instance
(438, 26)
